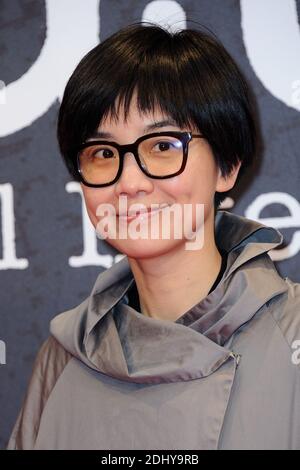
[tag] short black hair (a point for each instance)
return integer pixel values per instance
(187, 74)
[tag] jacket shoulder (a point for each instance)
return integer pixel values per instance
(48, 366)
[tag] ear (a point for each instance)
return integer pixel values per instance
(225, 183)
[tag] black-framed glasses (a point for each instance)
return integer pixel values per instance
(159, 155)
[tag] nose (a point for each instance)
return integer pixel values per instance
(132, 179)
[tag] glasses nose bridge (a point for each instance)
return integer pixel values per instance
(129, 148)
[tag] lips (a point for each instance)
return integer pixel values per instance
(144, 210)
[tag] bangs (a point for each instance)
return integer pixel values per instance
(161, 78)
(147, 104)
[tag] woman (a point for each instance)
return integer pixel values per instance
(176, 347)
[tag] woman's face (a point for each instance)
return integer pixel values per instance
(197, 184)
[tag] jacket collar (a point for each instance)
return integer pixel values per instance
(113, 338)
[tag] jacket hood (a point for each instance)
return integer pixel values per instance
(111, 337)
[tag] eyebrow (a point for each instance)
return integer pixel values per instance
(149, 127)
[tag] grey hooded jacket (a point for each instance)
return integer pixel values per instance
(225, 375)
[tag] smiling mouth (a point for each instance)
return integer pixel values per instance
(148, 211)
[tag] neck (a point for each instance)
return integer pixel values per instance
(172, 283)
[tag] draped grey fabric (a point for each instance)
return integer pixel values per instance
(220, 377)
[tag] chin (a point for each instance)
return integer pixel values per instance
(145, 249)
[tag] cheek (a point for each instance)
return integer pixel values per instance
(198, 184)
(93, 197)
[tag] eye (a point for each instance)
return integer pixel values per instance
(103, 153)
(99, 152)
(167, 145)
(162, 146)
